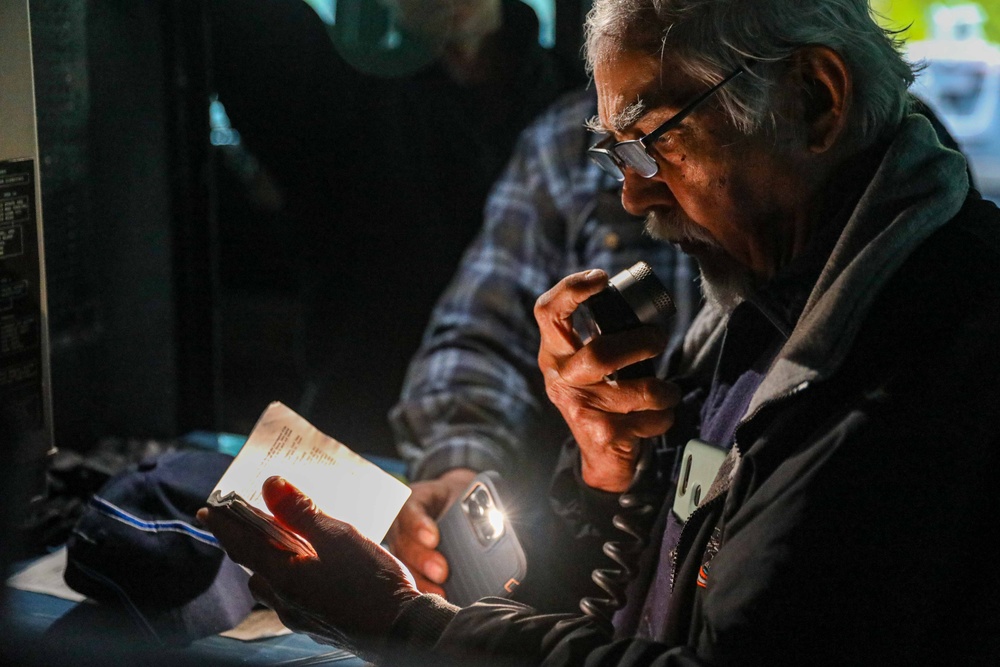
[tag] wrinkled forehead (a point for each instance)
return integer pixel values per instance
(631, 84)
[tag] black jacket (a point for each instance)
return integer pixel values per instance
(855, 518)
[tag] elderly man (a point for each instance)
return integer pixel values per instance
(848, 364)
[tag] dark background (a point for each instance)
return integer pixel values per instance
(190, 283)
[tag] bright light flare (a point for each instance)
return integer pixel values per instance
(495, 518)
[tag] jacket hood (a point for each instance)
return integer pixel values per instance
(918, 187)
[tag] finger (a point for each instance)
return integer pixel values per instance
(245, 544)
(425, 585)
(427, 563)
(648, 423)
(603, 401)
(625, 430)
(426, 503)
(554, 310)
(636, 395)
(248, 546)
(639, 395)
(426, 532)
(413, 525)
(435, 567)
(606, 354)
(240, 541)
(600, 431)
(297, 512)
(433, 497)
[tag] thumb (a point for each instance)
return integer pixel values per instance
(292, 508)
(437, 499)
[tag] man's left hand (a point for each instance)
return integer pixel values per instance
(348, 594)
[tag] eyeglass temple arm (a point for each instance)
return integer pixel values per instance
(686, 111)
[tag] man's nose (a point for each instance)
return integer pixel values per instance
(640, 195)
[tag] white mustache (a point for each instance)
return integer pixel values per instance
(673, 226)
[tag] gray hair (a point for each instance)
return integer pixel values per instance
(708, 39)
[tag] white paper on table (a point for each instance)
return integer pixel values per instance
(259, 624)
(341, 483)
(45, 576)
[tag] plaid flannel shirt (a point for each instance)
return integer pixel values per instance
(473, 395)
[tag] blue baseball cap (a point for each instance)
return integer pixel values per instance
(138, 548)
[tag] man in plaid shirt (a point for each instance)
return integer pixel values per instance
(474, 398)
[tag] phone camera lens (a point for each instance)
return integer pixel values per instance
(475, 509)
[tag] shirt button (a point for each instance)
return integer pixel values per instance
(612, 241)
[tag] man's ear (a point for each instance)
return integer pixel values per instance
(826, 93)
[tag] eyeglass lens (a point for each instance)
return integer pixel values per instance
(604, 160)
(634, 154)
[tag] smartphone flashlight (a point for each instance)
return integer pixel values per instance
(487, 520)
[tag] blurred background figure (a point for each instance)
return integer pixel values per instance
(383, 136)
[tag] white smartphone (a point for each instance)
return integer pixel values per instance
(700, 463)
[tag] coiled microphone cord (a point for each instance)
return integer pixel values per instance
(633, 298)
(635, 520)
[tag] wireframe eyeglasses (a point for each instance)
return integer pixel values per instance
(634, 154)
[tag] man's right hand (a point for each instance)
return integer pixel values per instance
(607, 418)
(414, 536)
